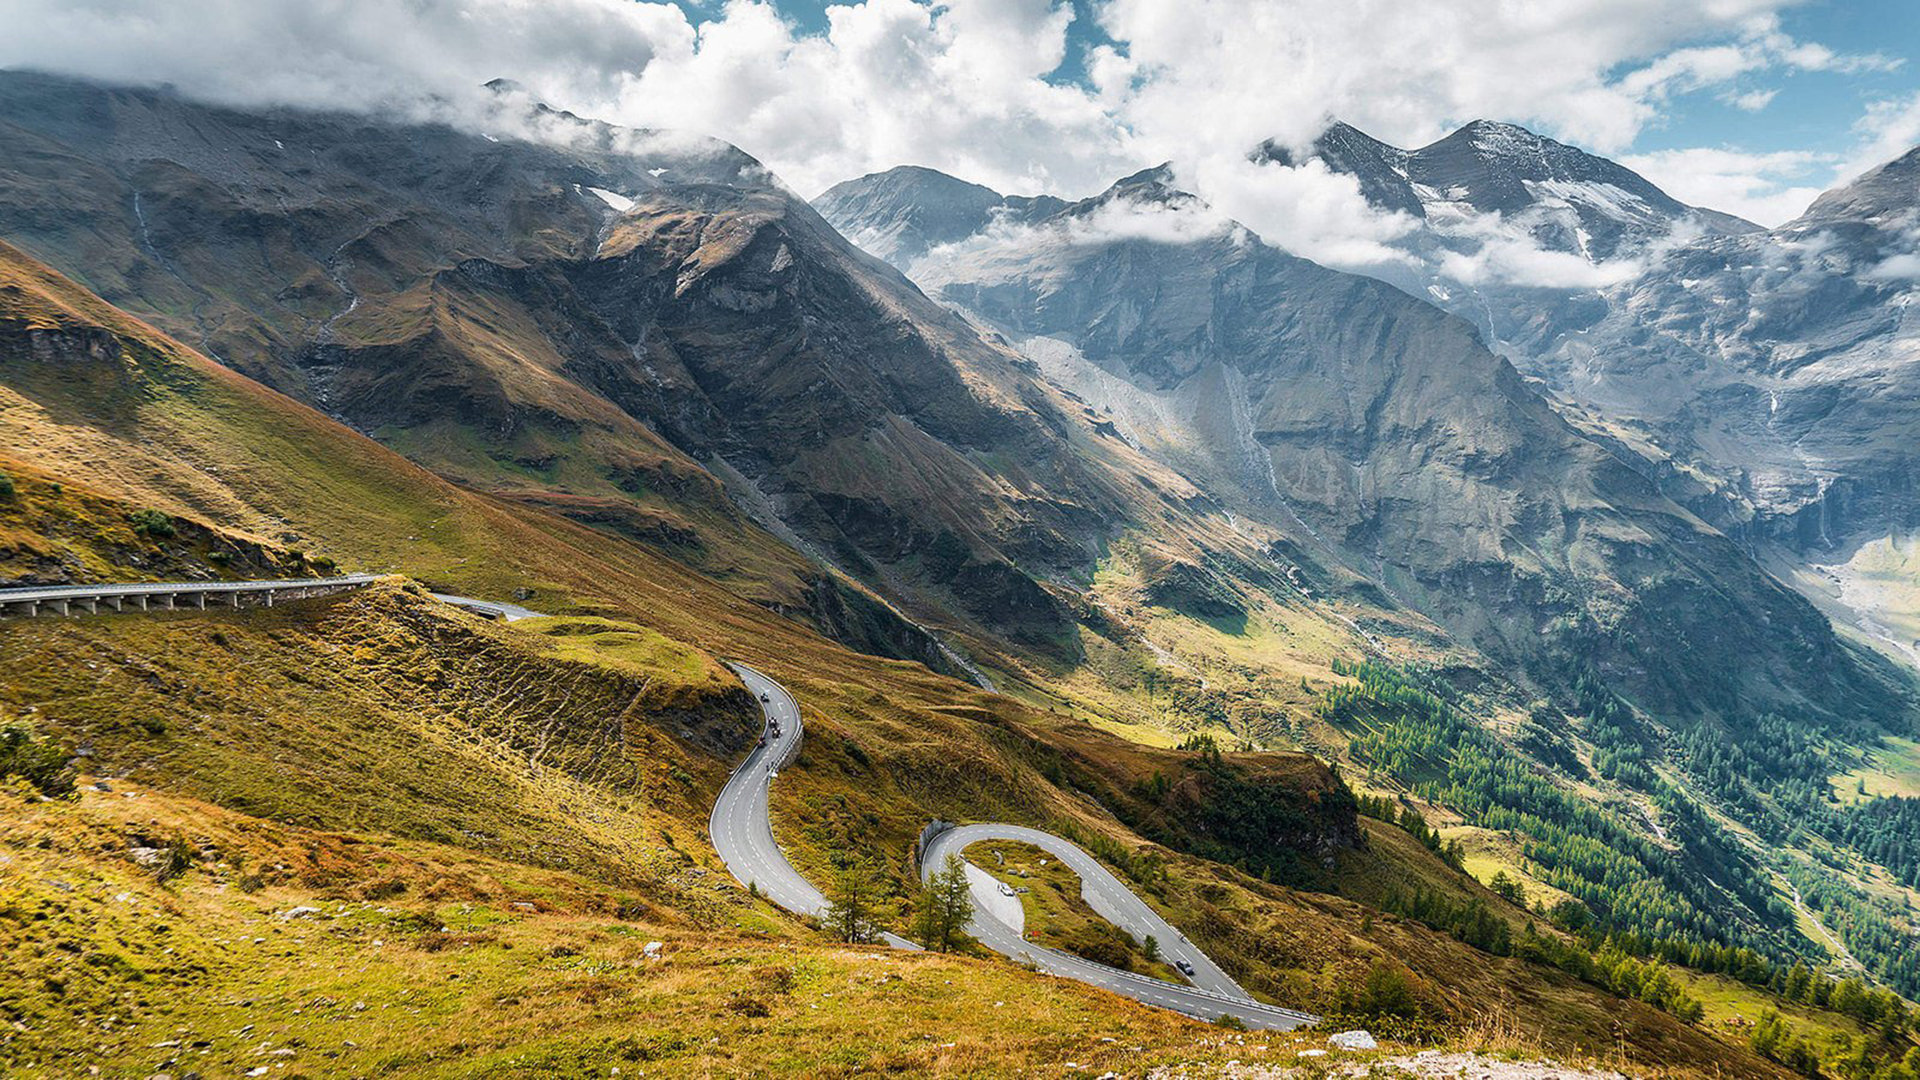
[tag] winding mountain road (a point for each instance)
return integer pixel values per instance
(1213, 994)
(741, 826)
(742, 833)
(1104, 893)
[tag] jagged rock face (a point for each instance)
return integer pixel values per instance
(901, 214)
(1768, 372)
(1780, 364)
(1771, 360)
(1401, 443)
(594, 316)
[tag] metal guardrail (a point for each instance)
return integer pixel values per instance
(168, 595)
(933, 829)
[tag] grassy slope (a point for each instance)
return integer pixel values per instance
(537, 974)
(388, 717)
(368, 746)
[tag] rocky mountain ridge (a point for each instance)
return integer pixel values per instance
(1379, 428)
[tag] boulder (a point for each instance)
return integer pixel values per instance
(1353, 1040)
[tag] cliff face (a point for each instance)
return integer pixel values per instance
(1766, 373)
(1383, 429)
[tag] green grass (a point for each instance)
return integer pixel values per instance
(629, 647)
(1891, 770)
(385, 711)
(464, 965)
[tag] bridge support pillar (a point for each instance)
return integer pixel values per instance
(59, 606)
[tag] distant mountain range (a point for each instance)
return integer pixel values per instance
(1758, 377)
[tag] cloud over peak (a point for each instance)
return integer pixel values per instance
(974, 87)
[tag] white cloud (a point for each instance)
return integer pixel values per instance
(351, 54)
(1897, 268)
(1504, 252)
(959, 85)
(1310, 210)
(1767, 188)
(1011, 244)
(962, 85)
(1888, 129)
(1231, 72)
(1750, 100)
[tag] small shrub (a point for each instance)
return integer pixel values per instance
(176, 858)
(1231, 1022)
(6, 487)
(35, 760)
(775, 980)
(741, 1003)
(153, 524)
(382, 890)
(1388, 992)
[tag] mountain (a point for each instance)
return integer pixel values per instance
(646, 333)
(1763, 371)
(1563, 198)
(1771, 374)
(1508, 229)
(1664, 661)
(1393, 438)
(1370, 611)
(901, 214)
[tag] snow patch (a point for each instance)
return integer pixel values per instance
(613, 198)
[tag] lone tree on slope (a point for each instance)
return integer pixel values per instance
(850, 904)
(945, 907)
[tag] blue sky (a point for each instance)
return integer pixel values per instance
(1813, 110)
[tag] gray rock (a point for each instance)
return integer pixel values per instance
(1353, 1040)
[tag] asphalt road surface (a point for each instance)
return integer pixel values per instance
(741, 829)
(1214, 993)
(492, 609)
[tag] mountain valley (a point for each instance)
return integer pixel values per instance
(1517, 667)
